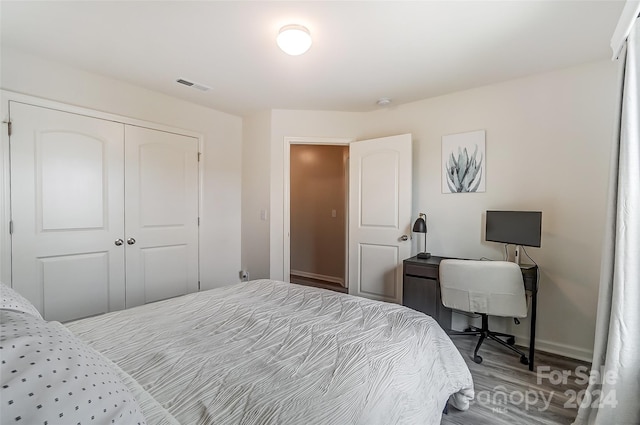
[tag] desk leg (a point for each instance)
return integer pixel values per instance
(532, 333)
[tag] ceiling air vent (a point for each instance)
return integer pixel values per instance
(193, 84)
(185, 82)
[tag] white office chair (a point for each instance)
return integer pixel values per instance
(489, 288)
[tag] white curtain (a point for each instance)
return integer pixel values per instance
(614, 397)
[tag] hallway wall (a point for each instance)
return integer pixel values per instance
(318, 211)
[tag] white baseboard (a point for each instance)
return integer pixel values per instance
(332, 279)
(565, 350)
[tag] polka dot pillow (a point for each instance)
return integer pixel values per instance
(48, 376)
(11, 300)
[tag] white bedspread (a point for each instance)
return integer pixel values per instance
(267, 352)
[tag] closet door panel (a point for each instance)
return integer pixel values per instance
(161, 214)
(67, 293)
(160, 281)
(72, 177)
(67, 210)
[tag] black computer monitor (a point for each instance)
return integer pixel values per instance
(514, 227)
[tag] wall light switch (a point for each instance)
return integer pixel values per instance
(334, 214)
(263, 215)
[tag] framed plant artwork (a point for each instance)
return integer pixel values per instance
(463, 162)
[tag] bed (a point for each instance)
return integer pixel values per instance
(261, 352)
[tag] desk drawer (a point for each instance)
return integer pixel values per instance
(421, 271)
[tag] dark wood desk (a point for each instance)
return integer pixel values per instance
(421, 291)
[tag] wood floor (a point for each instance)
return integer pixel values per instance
(507, 393)
(300, 280)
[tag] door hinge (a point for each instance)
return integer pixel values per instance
(198, 285)
(198, 221)
(9, 127)
(11, 227)
(199, 154)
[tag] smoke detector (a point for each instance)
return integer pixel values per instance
(193, 84)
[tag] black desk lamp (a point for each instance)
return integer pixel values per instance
(420, 226)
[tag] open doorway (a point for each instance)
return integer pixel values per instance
(318, 200)
(379, 213)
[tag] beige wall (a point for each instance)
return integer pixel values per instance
(221, 185)
(255, 194)
(548, 140)
(317, 189)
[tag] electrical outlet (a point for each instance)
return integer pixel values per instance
(244, 275)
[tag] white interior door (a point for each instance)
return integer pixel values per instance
(67, 211)
(379, 216)
(161, 177)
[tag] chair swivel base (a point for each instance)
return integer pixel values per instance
(485, 333)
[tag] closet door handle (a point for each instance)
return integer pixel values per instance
(119, 242)
(131, 241)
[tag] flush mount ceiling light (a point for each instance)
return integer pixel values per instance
(294, 40)
(383, 101)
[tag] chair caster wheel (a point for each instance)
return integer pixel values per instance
(524, 360)
(477, 359)
(469, 329)
(511, 340)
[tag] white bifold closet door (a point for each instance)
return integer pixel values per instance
(81, 187)
(67, 209)
(161, 215)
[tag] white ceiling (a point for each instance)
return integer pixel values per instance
(362, 50)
